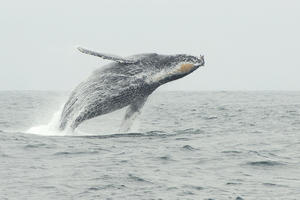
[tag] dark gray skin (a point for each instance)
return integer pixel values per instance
(124, 82)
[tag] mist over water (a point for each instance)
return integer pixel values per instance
(184, 145)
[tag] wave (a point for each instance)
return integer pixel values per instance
(189, 148)
(265, 163)
(137, 178)
(66, 153)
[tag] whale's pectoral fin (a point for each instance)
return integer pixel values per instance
(107, 56)
(132, 112)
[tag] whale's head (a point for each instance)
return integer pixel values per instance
(178, 66)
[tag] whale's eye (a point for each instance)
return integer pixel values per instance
(184, 68)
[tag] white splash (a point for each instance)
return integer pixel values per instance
(51, 128)
(103, 125)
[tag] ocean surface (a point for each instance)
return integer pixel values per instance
(184, 145)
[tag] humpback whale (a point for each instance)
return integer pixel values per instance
(123, 82)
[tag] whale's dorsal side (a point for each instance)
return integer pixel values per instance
(107, 56)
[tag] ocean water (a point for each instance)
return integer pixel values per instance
(184, 145)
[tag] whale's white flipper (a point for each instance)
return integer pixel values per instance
(107, 56)
(132, 112)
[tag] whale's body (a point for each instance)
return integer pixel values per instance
(124, 82)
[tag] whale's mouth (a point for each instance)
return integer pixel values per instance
(189, 67)
(186, 67)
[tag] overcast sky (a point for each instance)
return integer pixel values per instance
(248, 45)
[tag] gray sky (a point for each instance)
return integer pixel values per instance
(248, 45)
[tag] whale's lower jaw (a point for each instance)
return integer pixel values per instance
(79, 118)
(74, 118)
(73, 121)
